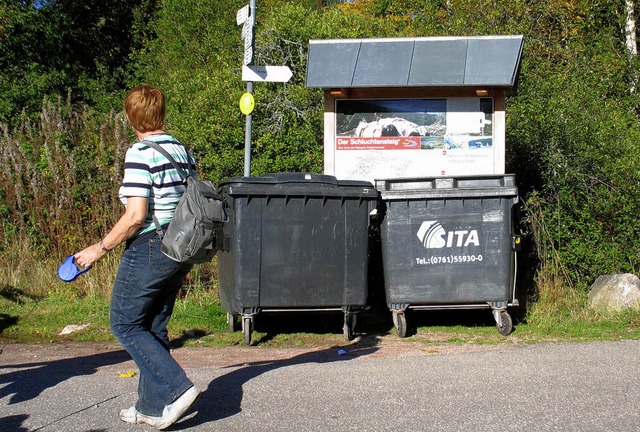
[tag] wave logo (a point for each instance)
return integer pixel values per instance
(434, 236)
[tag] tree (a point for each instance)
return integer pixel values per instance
(50, 46)
(630, 34)
(572, 129)
(27, 56)
(630, 28)
(196, 60)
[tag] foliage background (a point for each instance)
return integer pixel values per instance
(572, 129)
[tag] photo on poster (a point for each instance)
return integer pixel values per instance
(414, 124)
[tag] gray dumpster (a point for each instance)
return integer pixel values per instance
(294, 242)
(449, 243)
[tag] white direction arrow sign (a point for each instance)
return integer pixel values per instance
(242, 15)
(266, 73)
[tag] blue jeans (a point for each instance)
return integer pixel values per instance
(142, 301)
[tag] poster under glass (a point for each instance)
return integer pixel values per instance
(391, 138)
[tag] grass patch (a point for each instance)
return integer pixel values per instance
(41, 320)
(35, 306)
(199, 320)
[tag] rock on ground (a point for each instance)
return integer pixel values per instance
(615, 292)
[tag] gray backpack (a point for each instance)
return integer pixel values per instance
(195, 231)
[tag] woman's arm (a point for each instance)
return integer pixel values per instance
(126, 226)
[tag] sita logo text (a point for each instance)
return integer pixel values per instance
(434, 236)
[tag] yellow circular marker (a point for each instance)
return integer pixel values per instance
(247, 103)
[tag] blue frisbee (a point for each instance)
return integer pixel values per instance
(68, 270)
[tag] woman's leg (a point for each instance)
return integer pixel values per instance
(143, 295)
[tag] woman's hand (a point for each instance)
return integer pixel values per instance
(86, 257)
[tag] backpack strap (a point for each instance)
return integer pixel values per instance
(166, 154)
(182, 173)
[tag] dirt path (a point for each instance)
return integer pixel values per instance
(193, 357)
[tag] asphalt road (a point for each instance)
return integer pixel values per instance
(375, 386)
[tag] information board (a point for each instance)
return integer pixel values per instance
(395, 138)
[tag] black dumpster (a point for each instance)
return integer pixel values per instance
(449, 243)
(294, 242)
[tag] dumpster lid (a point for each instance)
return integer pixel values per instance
(287, 180)
(435, 187)
(285, 177)
(492, 61)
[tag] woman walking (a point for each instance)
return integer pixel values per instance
(147, 281)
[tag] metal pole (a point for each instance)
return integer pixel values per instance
(247, 132)
(247, 138)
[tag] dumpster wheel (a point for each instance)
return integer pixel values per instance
(247, 329)
(349, 327)
(400, 321)
(232, 323)
(505, 324)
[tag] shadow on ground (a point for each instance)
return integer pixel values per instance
(223, 396)
(28, 380)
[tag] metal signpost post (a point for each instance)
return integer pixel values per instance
(250, 73)
(247, 17)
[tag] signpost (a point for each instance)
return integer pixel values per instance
(266, 73)
(242, 15)
(247, 17)
(250, 73)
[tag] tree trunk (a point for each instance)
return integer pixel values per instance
(630, 35)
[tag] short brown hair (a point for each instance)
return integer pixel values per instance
(145, 108)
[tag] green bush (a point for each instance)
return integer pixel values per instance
(60, 178)
(572, 128)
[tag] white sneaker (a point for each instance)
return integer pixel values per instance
(132, 415)
(172, 412)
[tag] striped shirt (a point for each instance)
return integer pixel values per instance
(148, 174)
